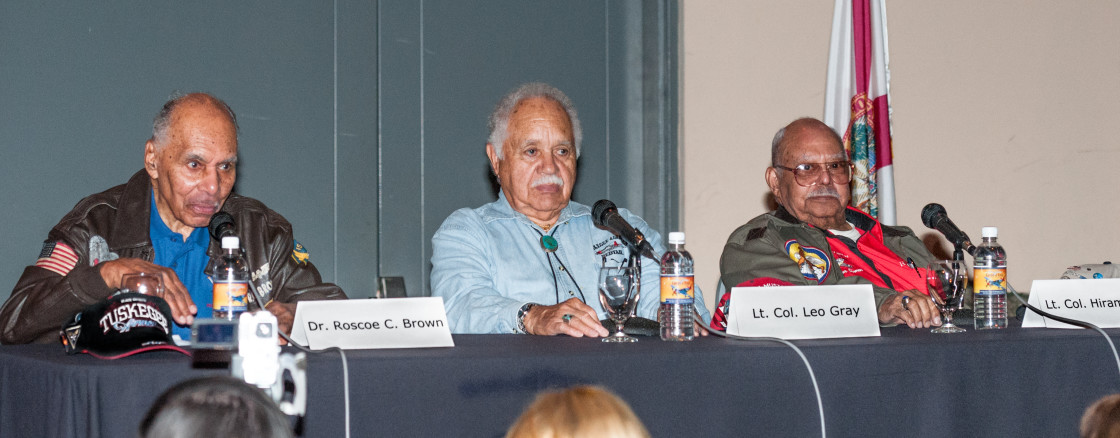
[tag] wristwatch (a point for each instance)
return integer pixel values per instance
(524, 310)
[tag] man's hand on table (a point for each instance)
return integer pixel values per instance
(178, 298)
(698, 324)
(549, 320)
(285, 314)
(912, 308)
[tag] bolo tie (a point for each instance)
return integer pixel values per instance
(550, 245)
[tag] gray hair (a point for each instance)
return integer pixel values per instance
(162, 123)
(214, 406)
(776, 144)
(499, 119)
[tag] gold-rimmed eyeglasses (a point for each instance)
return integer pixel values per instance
(807, 174)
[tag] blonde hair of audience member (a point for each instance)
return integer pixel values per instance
(216, 406)
(1102, 419)
(580, 411)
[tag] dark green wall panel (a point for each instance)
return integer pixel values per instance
(364, 123)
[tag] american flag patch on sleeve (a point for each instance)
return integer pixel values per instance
(57, 257)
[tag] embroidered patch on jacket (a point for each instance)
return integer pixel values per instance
(611, 251)
(300, 254)
(813, 262)
(264, 284)
(846, 268)
(57, 257)
(99, 251)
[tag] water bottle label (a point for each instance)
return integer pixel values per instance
(987, 281)
(230, 297)
(677, 289)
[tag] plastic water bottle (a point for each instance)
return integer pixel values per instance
(989, 273)
(230, 276)
(677, 291)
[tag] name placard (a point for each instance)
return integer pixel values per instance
(374, 323)
(1096, 301)
(804, 312)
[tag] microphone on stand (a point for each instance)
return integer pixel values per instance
(935, 217)
(605, 215)
(221, 225)
(259, 360)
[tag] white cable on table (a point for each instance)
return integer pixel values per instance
(345, 369)
(1069, 321)
(812, 376)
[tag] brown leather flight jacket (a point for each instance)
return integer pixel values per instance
(43, 299)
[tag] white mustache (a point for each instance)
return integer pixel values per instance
(825, 191)
(548, 179)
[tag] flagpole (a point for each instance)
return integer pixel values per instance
(887, 213)
(838, 82)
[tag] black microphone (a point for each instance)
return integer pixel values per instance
(221, 225)
(935, 217)
(605, 215)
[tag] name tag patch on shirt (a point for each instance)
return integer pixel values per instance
(264, 284)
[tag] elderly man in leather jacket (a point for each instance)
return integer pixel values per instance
(815, 238)
(189, 172)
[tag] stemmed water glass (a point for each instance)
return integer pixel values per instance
(947, 281)
(618, 295)
(142, 282)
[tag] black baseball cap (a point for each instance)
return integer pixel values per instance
(120, 326)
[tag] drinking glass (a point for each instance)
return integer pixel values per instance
(617, 294)
(142, 282)
(947, 281)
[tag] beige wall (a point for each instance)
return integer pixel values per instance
(1023, 94)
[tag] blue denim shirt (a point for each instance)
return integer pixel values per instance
(487, 262)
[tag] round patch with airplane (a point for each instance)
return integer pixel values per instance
(812, 262)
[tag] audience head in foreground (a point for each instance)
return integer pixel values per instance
(815, 238)
(1102, 418)
(218, 406)
(580, 411)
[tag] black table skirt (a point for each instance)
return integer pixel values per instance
(1013, 382)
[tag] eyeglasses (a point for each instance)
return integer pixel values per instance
(807, 174)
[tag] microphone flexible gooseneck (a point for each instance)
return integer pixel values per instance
(605, 215)
(221, 225)
(935, 217)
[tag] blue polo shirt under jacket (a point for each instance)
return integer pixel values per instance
(188, 259)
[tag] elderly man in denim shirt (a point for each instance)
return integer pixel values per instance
(529, 262)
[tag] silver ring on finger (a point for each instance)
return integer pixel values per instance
(906, 303)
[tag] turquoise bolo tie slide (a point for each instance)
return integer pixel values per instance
(549, 244)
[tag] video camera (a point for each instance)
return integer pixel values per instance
(249, 346)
